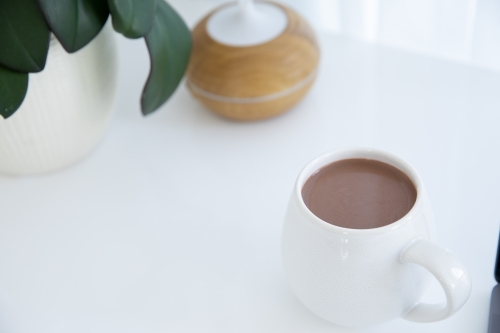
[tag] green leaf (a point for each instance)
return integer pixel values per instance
(132, 18)
(74, 22)
(169, 45)
(24, 36)
(13, 87)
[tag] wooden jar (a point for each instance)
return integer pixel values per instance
(254, 82)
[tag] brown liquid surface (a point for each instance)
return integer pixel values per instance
(359, 194)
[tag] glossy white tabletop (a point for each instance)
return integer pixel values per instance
(173, 224)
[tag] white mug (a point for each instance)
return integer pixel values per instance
(360, 277)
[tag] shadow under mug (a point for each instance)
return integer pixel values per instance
(361, 277)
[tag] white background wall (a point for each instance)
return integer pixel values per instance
(461, 30)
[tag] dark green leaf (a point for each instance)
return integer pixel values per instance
(24, 36)
(169, 45)
(13, 87)
(74, 22)
(132, 18)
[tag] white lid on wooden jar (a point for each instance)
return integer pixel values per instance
(247, 23)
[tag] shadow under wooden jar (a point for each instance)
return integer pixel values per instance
(254, 82)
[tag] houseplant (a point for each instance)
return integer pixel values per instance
(26, 27)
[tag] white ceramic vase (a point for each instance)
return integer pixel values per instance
(66, 110)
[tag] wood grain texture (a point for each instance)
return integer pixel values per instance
(255, 82)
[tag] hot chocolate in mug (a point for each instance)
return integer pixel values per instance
(361, 277)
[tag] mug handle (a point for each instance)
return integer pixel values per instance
(450, 273)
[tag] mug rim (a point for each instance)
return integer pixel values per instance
(358, 152)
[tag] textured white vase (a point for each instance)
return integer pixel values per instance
(66, 110)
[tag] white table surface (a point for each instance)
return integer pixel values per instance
(173, 224)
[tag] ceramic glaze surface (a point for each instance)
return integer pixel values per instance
(360, 277)
(66, 110)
